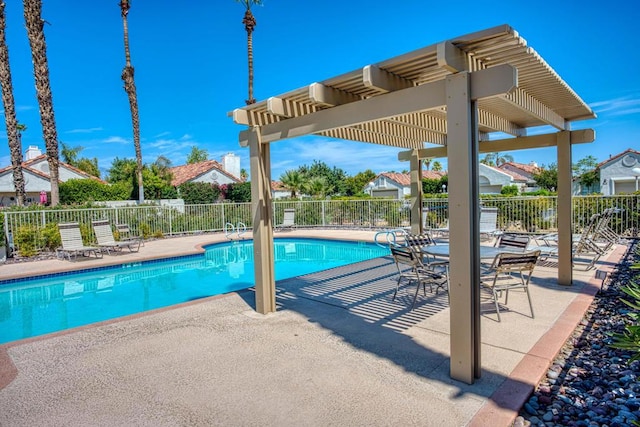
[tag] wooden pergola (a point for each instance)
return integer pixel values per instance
(455, 94)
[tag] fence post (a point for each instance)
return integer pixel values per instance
(223, 220)
(170, 222)
(324, 223)
(370, 219)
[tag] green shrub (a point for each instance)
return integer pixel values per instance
(630, 339)
(27, 239)
(50, 236)
(77, 191)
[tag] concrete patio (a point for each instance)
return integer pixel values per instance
(338, 351)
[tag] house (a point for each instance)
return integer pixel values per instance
(491, 180)
(210, 171)
(278, 190)
(620, 173)
(36, 177)
(396, 185)
(522, 175)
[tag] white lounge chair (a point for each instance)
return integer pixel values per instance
(288, 221)
(104, 236)
(72, 243)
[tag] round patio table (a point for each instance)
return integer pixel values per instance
(486, 252)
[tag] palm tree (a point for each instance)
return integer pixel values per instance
(13, 127)
(35, 31)
(293, 181)
(249, 22)
(130, 88)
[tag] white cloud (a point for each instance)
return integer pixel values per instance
(618, 106)
(116, 140)
(88, 130)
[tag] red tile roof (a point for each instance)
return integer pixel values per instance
(530, 169)
(404, 179)
(185, 173)
(617, 156)
(28, 163)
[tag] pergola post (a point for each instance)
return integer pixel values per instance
(262, 216)
(416, 193)
(565, 231)
(464, 289)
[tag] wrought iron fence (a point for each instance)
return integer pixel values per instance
(37, 229)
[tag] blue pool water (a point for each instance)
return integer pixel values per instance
(35, 307)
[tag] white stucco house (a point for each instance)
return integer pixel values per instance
(209, 171)
(522, 174)
(36, 176)
(620, 173)
(396, 185)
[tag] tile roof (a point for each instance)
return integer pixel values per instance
(530, 169)
(27, 165)
(185, 173)
(617, 156)
(404, 179)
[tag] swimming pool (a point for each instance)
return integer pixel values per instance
(35, 307)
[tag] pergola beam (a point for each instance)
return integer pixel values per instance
(383, 81)
(494, 81)
(522, 100)
(510, 144)
(329, 96)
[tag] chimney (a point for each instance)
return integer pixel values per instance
(32, 152)
(231, 164)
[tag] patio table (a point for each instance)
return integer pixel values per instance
(486, 252)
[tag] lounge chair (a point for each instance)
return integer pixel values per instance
(288, 221)
(104, 236)
(72, 244)
(489, 223)
(125, 234)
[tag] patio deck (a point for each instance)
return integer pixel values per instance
(337, 352)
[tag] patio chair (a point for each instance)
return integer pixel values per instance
(72, 244)
(583, 243)
(288, 221)
(410, 268)
(489, 223)
(513, 241)
(125, 234)
(508, 272)
(104, 236)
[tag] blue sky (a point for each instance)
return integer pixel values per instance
(190, 69)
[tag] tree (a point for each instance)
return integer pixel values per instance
(356, 184)
(293, 181)
(244, 174)
(130, 88)
(335, 177)
(250, 23)
(586, 169)
(317, 186)
(547, 177)
(121, 170)
(35, 31)
(427, 162)
(197, 155)
(13, 127)
(496, 159)
(437, 166)
(70, 156)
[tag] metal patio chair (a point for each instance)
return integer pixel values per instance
(411, 268)
(508, 272)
